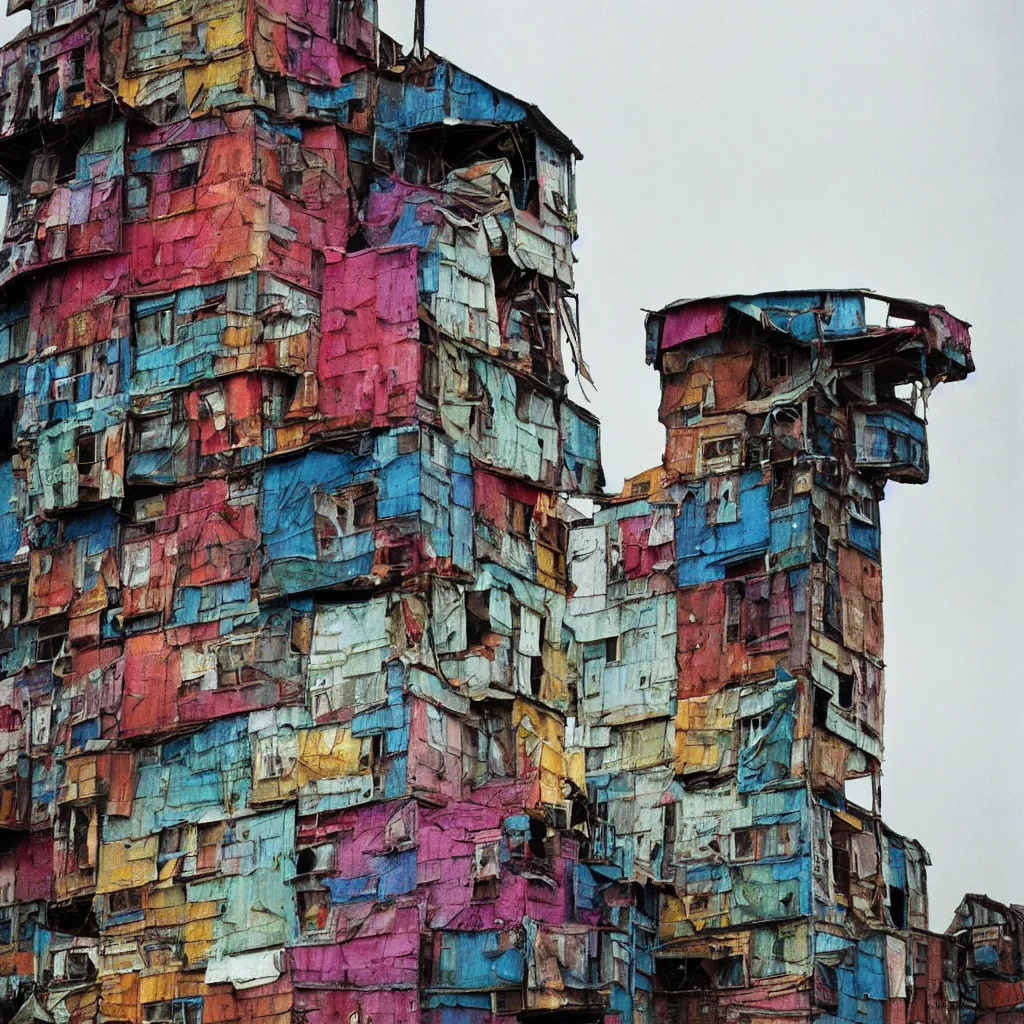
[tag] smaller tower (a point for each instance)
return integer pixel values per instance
(720, 781)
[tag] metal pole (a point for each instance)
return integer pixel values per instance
(419, 29)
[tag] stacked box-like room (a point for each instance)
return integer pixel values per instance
(284, 453)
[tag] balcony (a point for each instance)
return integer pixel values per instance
(892, 441)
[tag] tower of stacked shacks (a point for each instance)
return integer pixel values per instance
(318, 702)
(727, 608)
(285, 445)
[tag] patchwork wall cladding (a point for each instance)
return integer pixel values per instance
(334, 688)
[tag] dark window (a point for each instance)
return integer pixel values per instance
(830, 473)
(430, 375)
(19, 339)
(780, 363)
(518, 516)
(553, 534)
(185, 176)
(8, 424)
(524, 401)
(833, 606)
(125, 901)
(613, 649)
(485, 889)
(898, 906)
(758, 451)
(364, 508)
(730, 972)
(156, 328)
(782, 484)
(170, 843)
(78, 966)
(670, 830)
(478, 617)
(758, 609)
(50, 637)
(846, 691)
(176, 1011)
(826, 988)
(352, 510)
(80, 822)
(19, 604)
(427, 958)
(822, 699)
(822, 537)
(77, 82)
(536, 843)
(743, 844)
(920, 958)
(721, 450)
(734, 591)
(47, 89)
(841, 862)
(85, 454)
(536, 674)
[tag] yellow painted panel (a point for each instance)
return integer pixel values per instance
(225, 33)
(158, 988)
(124, 865)
(328, 752)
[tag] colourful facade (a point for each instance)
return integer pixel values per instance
(321, 699)
(727, 608)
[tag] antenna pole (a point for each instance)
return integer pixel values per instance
(419, 30)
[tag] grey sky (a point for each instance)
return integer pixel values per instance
(736, 146)
(739, 145)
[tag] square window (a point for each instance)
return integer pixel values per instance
(85, 454)
(155, 329)
(744, 844)
(752, 729)
(721, 454)
(78, 966)
(314, 910)
(779, 363)
(518, 516)
(185, 176)
(170, 843)
(125, 901)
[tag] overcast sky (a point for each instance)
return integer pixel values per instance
(742, 146)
